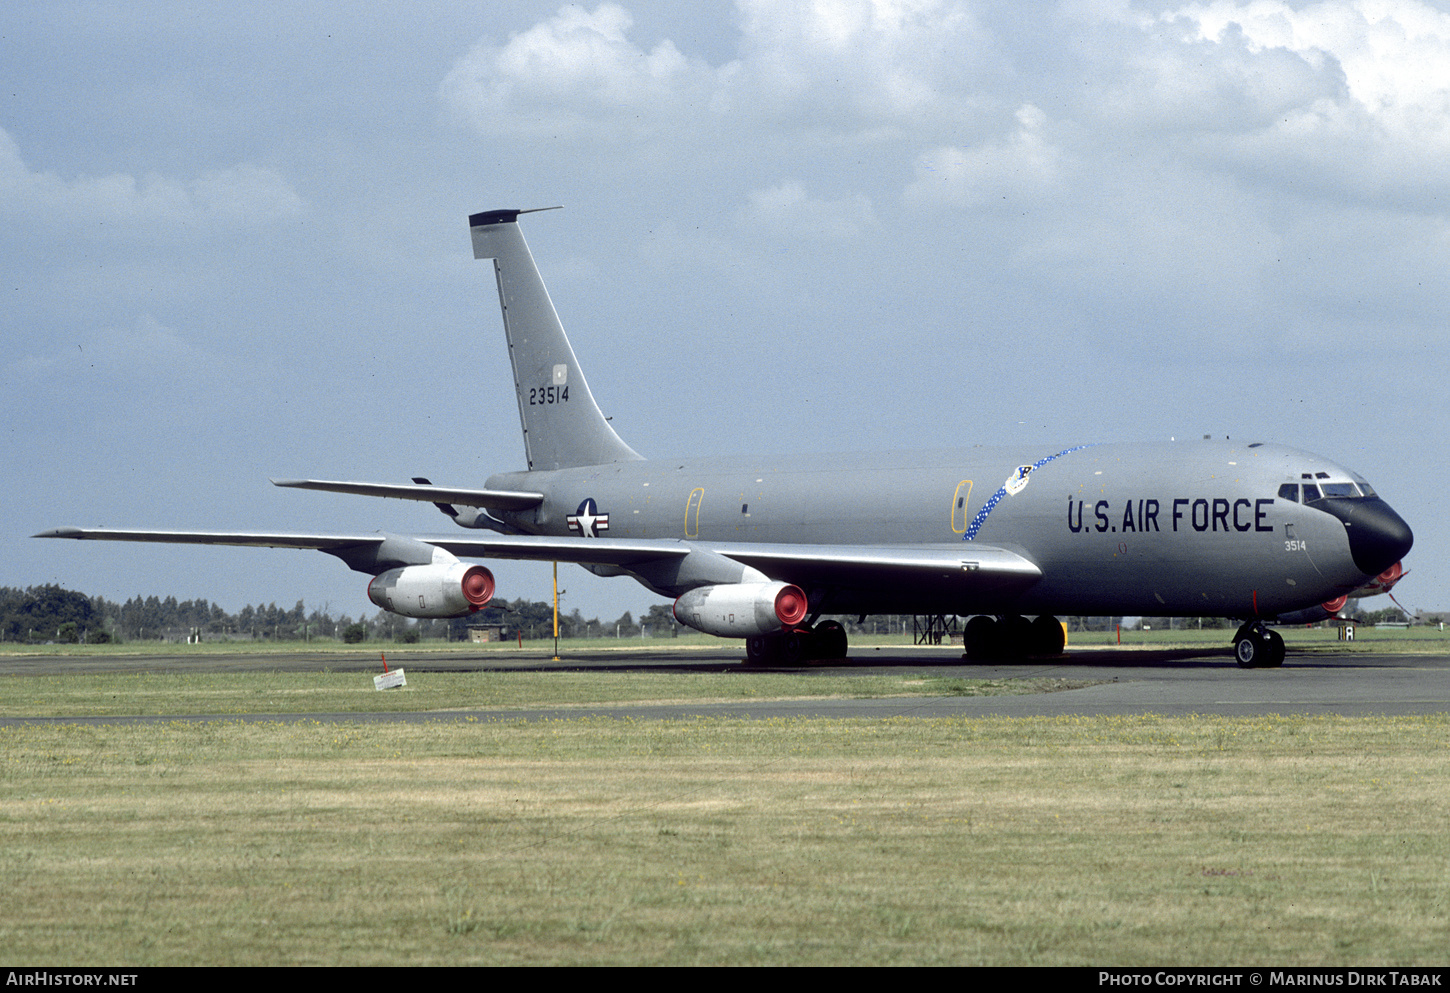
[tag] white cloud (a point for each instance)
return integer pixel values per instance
(862, 67)
(245, 194)
(576, 72)
(894, 63)
(1165, 77)
(1393, 52)
(787, 210)
(1383, 130)
(1024, 163)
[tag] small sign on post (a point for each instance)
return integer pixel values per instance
(389, 680)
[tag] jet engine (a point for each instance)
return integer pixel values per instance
(1382, 583)
(742, 610)
(442, 589)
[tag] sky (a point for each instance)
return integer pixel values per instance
(235, 246)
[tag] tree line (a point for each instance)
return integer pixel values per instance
(50, 613)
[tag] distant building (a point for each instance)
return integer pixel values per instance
(485, 633)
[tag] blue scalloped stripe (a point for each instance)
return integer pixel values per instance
(1002, 491)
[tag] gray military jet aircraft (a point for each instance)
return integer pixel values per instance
(760, 548)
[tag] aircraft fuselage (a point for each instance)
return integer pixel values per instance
(1176, 528)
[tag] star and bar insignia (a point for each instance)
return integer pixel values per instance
(587, 522)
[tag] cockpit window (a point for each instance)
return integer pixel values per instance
(1320, 485)
(1290, 492)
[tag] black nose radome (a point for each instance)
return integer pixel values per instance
(1378, 537)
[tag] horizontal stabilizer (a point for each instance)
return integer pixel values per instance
(492, 499)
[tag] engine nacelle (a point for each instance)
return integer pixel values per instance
(443, 589)
(742, 610)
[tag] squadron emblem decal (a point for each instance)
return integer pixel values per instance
(587, 522)
(1016, 483)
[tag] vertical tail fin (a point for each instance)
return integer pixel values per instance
(562, 424)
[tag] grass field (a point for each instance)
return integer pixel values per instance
(1136, 841)
(1105, 841)
(181, 692)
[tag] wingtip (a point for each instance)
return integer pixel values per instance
(60, 533)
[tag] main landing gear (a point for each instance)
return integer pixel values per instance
(804, 643)
(1258, 647)
(1013, 637)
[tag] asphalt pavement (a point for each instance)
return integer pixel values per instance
(1138, 681)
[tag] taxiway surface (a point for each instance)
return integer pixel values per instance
(1170, 682)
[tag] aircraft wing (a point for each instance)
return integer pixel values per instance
(321, 542)
(840, 579)
(345, 546)
(799, 563)
(946, 574)
(493, 499)
(805, 565)
(908, 579)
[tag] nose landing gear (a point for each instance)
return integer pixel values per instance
(1258, 647)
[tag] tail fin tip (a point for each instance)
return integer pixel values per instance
(488, 217)
(561, 429)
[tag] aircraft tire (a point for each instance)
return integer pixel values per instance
(1047, 636)
(830, 639)
(1275, 657)
(1247, 651)
(793, 647)
(1018, 637)
(758, 650)
(1256, 647)
(981, 636)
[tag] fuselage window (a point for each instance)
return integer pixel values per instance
(1290, 492)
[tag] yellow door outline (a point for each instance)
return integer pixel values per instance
(960, 502)
(692, 512)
